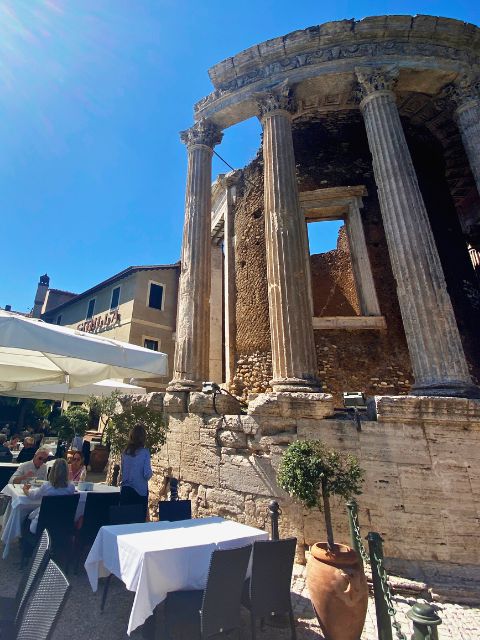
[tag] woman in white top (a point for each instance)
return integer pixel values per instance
(58, 485)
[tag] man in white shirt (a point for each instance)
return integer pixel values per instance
(33, 468)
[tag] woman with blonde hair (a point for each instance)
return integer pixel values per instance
(136, 469)
(58, 485)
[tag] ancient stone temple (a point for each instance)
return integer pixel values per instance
(375, 123)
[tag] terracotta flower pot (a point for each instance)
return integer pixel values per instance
(338, 591)
(98, 458)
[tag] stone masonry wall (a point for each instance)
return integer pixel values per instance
(421, 489)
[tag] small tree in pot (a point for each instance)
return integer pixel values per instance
(312, 473)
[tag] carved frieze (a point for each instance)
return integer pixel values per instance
(203, 132)
(340, 52)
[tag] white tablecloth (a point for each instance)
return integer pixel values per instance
(20, 506)
(157, 557)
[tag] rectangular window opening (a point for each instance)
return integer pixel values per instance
(334, 291)
(90, 309)
(155, 296)
(149, 343)
(115, 298)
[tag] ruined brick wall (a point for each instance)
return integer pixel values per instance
(253, 351)
(334, 293)
(333, 152)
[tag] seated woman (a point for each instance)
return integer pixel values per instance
(76, 469)
(57, 485)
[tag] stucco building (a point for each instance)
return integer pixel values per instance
(137, 305)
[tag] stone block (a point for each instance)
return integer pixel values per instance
(301, 40)
(249, 474)
(292, 405)
(176, 402)
(232, 439)
(203, 403)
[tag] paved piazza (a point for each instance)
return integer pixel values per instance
(81, 616)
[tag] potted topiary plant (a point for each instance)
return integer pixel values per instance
(312, 473)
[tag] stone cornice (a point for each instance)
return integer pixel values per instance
(203, 133)
(348, 38)
(449, 47)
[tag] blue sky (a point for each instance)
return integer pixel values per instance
(93, 94)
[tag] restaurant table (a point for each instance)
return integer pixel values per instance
(20, 506)
(154, 558)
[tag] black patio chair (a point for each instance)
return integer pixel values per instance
(267, 591)
(174, 510)
(215, 610)
(126, 514)
(57, 514)
(11, 609)
(96, 515)
(44, 607)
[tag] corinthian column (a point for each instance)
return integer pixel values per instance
(293, 347)
(193, 313)
(436, 352)
(466, 95)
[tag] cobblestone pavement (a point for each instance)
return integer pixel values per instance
(81, 617)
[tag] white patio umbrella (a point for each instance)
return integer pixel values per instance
(49, 391)
(34, 351)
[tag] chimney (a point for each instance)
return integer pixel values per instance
(40, 296)
(8, 307)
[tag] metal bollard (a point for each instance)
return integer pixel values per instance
(173, 489)
(425, 621)
(384, 626)
(274, 510)
(352, 508)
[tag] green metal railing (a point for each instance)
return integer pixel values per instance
(423, 616)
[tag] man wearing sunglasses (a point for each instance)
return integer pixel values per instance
(33, 469)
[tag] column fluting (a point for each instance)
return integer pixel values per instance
(466, 95)
(293, 347)
(193, 313)
(435, 347)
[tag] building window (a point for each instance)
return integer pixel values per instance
(59, 320)
(115, 298)
(155, 296)
(91, 307)
(149, 343)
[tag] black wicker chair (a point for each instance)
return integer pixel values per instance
(216, 610)
(267, 591)
(57, 514)
(96, 515)
(175, 510)
(11, 609)
(44, 607)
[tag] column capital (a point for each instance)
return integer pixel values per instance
(375, 80)
(276, 99)
(204, 132)
(464, 90)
